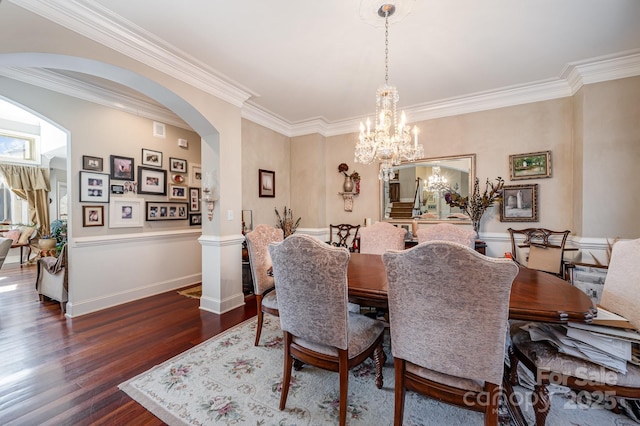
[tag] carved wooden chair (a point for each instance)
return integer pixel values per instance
(311, 280)
(448, 311)
(259, 261)
(344, 235)
(620, 295)
(447, 232)
(545, 249)
(380, 237)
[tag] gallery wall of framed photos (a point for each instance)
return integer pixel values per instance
(149, 181)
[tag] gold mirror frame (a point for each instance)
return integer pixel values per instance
(457, 169)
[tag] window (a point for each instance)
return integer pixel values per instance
(12, 208)
(18, 148)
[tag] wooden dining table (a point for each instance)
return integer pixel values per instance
(535, 295)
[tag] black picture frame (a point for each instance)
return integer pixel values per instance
(194, 200)
(266, 183)
(195, 219)
(166, 210)
(122, 168)
(92, 163)
(117, 189)
(519, 203)
(92, 216)
(177, 165)
(94, 187)
(152, 181)
(151, 158)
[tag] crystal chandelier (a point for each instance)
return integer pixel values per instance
(390, 141)
(436, 182)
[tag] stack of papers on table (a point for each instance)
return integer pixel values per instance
(609, 346)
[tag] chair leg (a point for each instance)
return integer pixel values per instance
(541, 403)
(492, 408)
(286, 376)
(513, 369)
(260, 320)
(344, 384)
(399, 366)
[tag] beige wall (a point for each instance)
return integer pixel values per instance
(611, 145)
(308, 180)
(264, 149)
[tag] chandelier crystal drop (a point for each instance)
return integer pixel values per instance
(390, 141)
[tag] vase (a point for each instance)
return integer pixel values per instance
(476, 227)
(347, 186)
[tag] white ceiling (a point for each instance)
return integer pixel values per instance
(306, 60)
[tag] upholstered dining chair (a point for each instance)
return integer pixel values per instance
(5, 245)
(311, 281)
(259, 261)
(380, 237)
(546, 249)
(448, 312)
(52, 278)
(447, 232)
(619, 295)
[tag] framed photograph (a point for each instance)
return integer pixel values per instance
(94, 187)
(267, 183)
(178, 192)
(194, 200)
(166, 210)
(519, 203)
(151, 158)
(533, 165)
(92, 163)
(195, 219)
(195, 174)
(177, 165)
(152, 181)
(126, 213)
(117, 189)
(122, 168)
(92, 215)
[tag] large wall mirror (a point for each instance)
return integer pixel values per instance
(417, 191)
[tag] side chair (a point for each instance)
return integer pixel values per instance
(311, 281)
(260, 261)
(341, 236)
(546, 249)
(52, 278)
(448, 312)
(380, 237)
(619, 295)
(5, 245)
(447, 232)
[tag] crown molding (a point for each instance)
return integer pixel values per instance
(97, 23)
(103, 26)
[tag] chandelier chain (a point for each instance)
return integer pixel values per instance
(386, 47)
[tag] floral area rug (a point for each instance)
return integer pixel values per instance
(228, 380)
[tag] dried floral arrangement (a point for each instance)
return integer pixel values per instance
(477, 204)
(285, 222)
(344, 168)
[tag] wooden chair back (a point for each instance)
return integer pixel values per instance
(344, 235)
(539, 248)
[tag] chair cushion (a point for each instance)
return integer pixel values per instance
(446, 379)
(14, 235)
(548, 259)
(363, 331)
(26, 233)
(270, 300)
(546, 357)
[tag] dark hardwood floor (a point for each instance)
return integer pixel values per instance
(60, 371)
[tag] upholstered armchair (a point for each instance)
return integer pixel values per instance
(260, 261)
(51, 278)
(448, 313)
(447, 232)
(311, 281)
(620, 295)
(5, 245)
(380, 237)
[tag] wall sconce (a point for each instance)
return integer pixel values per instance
(208, 199)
